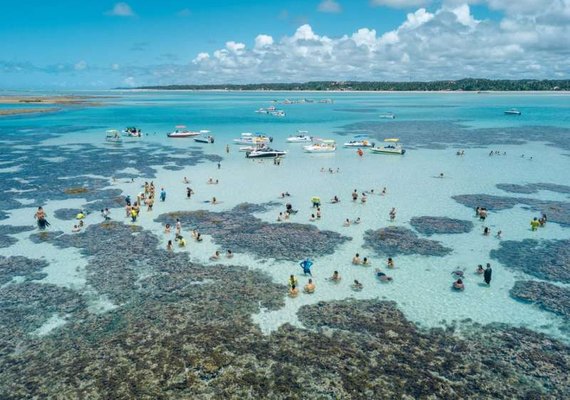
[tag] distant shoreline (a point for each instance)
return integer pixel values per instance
(562, 92)
(43, 100)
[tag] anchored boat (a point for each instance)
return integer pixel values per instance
(391, 146)
(300, 137)
(182, 132)
(513, 111)
(321, 146)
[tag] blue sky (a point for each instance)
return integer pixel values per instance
(103, 44)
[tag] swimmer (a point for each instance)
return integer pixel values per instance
(215, 256)
(181, 242)
(357, 220)
(487, 275)
(310, 287)
(199, 237)
(534, 224)
(162, 194)
(347, 222)
(76, 229)
(480, 270)
(280, 217)
(499, 234)
(186, 181)
(169, 246)
(392, 214)
(335, 200)
(354, 195)
(229, 254)
(441, 174)
(227, 148)
(312, 218)
(335, 277)
(167, 228)
(357, 286)
(363, 198)
(390, 262)
(194, 233)
(210, 181)
(356, 259)
(486, 231)
(178, 226)
(293, 291)
(318, 213)
(189, 192)
(366, 261)
(458, 284)
(383, 192)
(81, 223)
(382, 276)
(214, 201)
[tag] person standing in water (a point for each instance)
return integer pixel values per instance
(162, 194)
(487, 274)
(393, 214)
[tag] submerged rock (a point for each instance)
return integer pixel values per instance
(443, 225)
(6, 230)
(545, 259)
(240, 231)
(29, 269)
(547, 296)
(531, 188)
(396, 240)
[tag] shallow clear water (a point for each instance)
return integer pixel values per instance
(421, 285)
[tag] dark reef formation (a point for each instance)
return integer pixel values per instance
(184, 330)
(29, 269)
(557, 211)
(545, 259)
(434, 225)
(395, 240)
(547, 296)
(531, 188)
(444, 134)
(240, 231)
(6, 230)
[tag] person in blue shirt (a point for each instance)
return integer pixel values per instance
(306, 264)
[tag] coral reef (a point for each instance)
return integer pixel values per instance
(531, 188)
(547, 296)
(184, 330)
(27, 268)
(444, 134)
(240, 231)
(396, 240)
(557, 211)
(433, 225)
(545, 259)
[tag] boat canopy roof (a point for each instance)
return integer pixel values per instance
(180, 126)
(328, 141)
(392, 140)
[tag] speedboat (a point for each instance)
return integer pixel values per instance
(113, 136)
(182, 132)
(253, 139)
(359, 141)
(513, 111)
(265, 152)
(321, 146)
(388, 115)
(300, 137)
(392, 146)
(204, 139)
(132, 131)
(277, 113)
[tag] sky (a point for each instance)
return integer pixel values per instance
(84, 44)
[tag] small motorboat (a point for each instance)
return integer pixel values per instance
(182, 132)
(392, 146)
(265, 152)
(388, 115)
(132, 131)
(513, 111)
(113, 136)
(321, 146)
(248, 138)
(277, 113)
(300, 137)
(204, 139)
(359, 142)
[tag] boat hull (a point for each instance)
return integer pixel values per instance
(397, 152)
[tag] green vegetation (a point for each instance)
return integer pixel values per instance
(468, 85)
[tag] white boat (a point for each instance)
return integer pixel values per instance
(321, 146)
(253, 139)
(132, 131)
(300, 137)
(182, 132)
(264, 153)
(113, 136)
(513, 111)
(359, 143)
(392, 146)
(277, 113)
(388, 115)
(204, 139)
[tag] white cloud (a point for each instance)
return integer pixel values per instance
(121, 10)
(448, 43)
(399, 3)
(329, 6)
(80, 66)
(262, 41)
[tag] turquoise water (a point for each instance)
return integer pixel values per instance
(421, 285)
